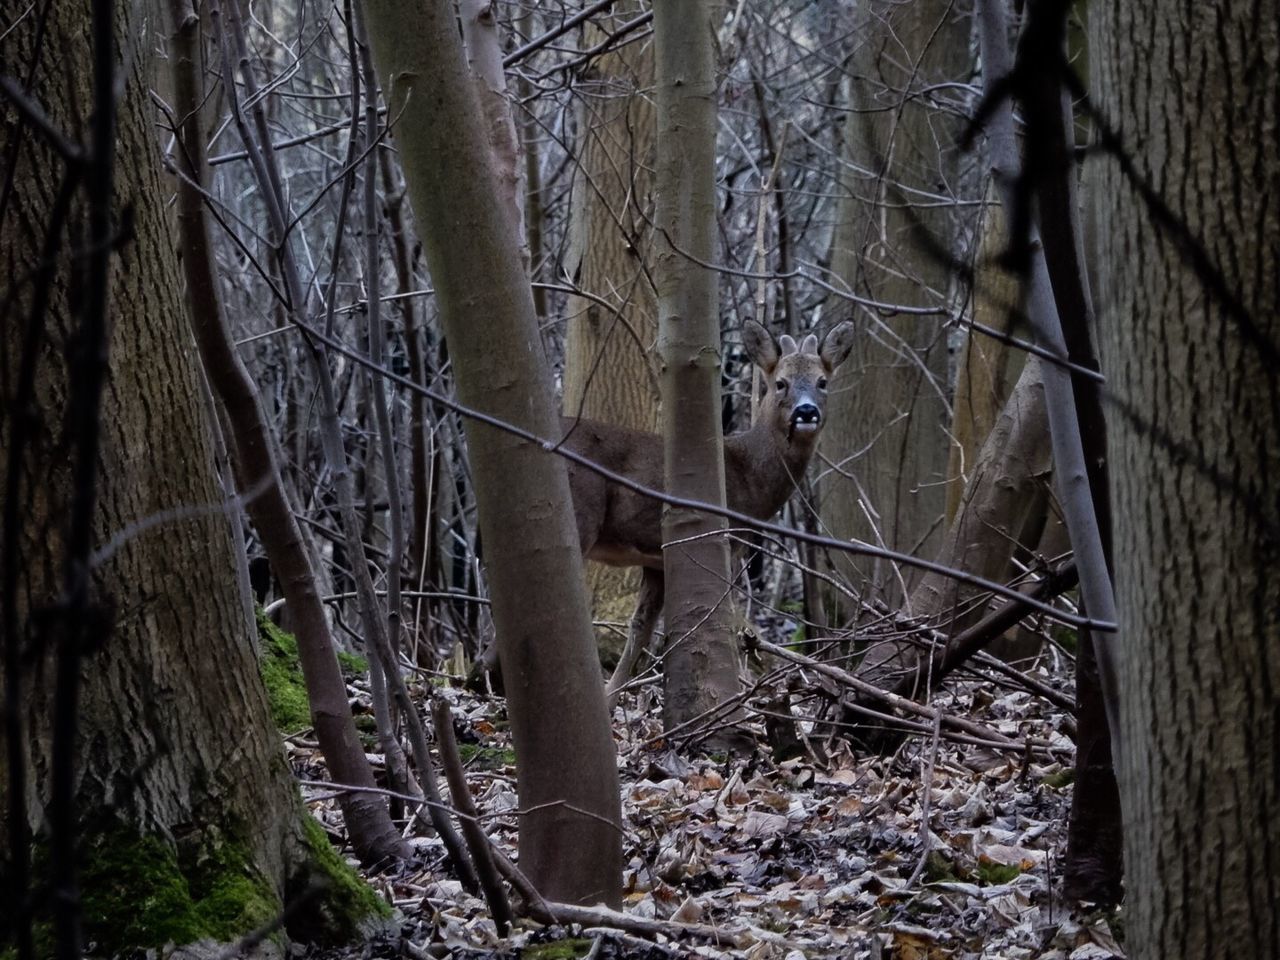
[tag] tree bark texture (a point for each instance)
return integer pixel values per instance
(701, 669)
(889, 408)
(1189, 241)
(609, 373)
(565, 753)
(175, 741)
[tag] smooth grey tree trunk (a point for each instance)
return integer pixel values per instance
(701, 670)
(570, 838)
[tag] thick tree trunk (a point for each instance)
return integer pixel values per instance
(609, 373)
(570, 841)
(1189, 269)
(701, 670)
(889, 408)
(182, 794)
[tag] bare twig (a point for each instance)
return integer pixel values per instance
(477, 842)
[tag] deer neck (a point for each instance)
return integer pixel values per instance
(763, 466)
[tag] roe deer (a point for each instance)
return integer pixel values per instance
(620, 527)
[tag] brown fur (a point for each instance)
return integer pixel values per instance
(621, 527)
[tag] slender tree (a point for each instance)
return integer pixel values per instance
(372, 833)
(701, 663)
(570, 843)
(1188, 223)
(1058, 311)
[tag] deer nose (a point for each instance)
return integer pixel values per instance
(806, 413)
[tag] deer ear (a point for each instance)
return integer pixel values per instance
(836, 345)
(761, 347)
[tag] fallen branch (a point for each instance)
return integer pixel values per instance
(550, 911)
(477, 841)
(894, 700)
(956, 650)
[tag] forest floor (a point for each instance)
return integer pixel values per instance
(821, 855)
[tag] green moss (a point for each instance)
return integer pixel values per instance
(797, 641)
(340, 905)
(139, 891)
(992, 873)
(1060, 779)
(939, 868)
(1067, 638)
(570, 949)
(487, 757)
(1115, 922)
(282, 676)
(352, 664)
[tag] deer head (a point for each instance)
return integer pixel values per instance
(796, 374)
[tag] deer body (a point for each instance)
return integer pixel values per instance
(623, 528)
(620, 527)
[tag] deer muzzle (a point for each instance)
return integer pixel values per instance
(805, 417)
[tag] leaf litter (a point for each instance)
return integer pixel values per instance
(821, 855)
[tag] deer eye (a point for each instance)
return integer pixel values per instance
(822, 383)
(781, 385)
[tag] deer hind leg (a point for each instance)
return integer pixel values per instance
(648, 608)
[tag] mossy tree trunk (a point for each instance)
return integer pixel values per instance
(1189, 277)
(189, 826)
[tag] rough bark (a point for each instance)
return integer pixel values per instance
(570, 842)
(890, 408)
(701, 664)
(372, 833)
(608, 369)
(177, 770)
(1188, 213)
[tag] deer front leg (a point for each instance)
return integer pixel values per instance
(648, 607)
